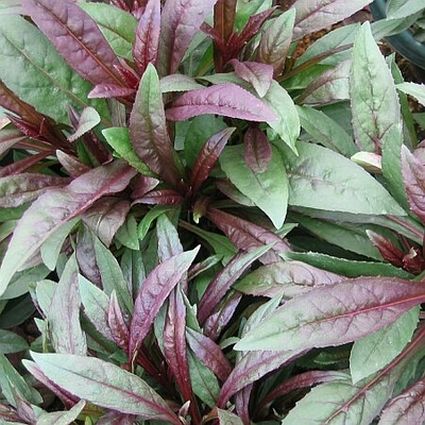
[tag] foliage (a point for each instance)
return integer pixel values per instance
(203, 221)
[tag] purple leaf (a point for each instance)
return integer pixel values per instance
(87, 121)
(251, 368)
(154, 291)
(22, 188)
(161, 197)
(335, 314)
(224, 18)
(258, 151)
(208, 157)
(143, 185)
(86, 256)
(72, 165)
(22, 165)
(215, 323)
(314, 15)
(407, 408)
(247, 236)
(181, 20)
(56, 207)
(108, 91)
(105, 385)
(242, 404)
(9, 138)
(225, 279)
(228, 100)
(289, 278)
(414, 180)
(259, 75)
(106, 217)
(145, 49)
(148, 129)
(117, 324)
(209, 353)
(114, 418)
(77, 37)
(64, 313)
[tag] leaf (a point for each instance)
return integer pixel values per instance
(376, 350)
(127, 234)
(226, 418)
(405, 9)
(335, 183)
(181, 20)
(259, 75)
(326, 131)
(314, 15)
(96, 306)
(257, 150)
(62, 418)
(415, 90)
(287, 126)
(154, 291)
(161, 197)
(290, 279)
(51, 248)
(177, 83)
(268, 190)
(106, 217)
(353, 309)
(57, 207)
(22, 188)
(119, 139)
(105, 385)
(64, 313)
(414, 180)
(246, 235)
(117, 26)
(407, 408)
(148, 128)
(77, 37)
(40, 76)
(145, 49)
(342, 402)
(209, 353)
(116, 322)
(11, 342)
(111, 274)
(89, 119)
(209, 156)
(227, 100)
(377, 120)
(276, 40)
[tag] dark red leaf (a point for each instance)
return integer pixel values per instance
(246, 235)
(161, 197)
(110, 91)
(154, 291)
(8, 139)
(242, 404)
(215, 324)
(209, 353)
(143, 185)
(386, 248)
(224, 17)
(86, 257)
(117, 324)
(145, 49)
(208, 157)
(72, 165)
(181, 20)
(258, 150)
(218, 288)
(228, 100)
(76, 37)
(23, 164)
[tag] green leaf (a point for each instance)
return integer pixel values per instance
(268, 190)
(64, 313)
(88, 120)
(31, 68)
(11, 343)
(415, 90)
(377, 120)
(200, 130)
(288, 125)
(119, 140)
(62, 418)
(111, 274)
(105, 385)
(402, 9)
(322, 179)
(150, 217)
(226, 418)
(118, 27)
(375, 351)
(326, 131)
(51, 249)
(127, 233)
